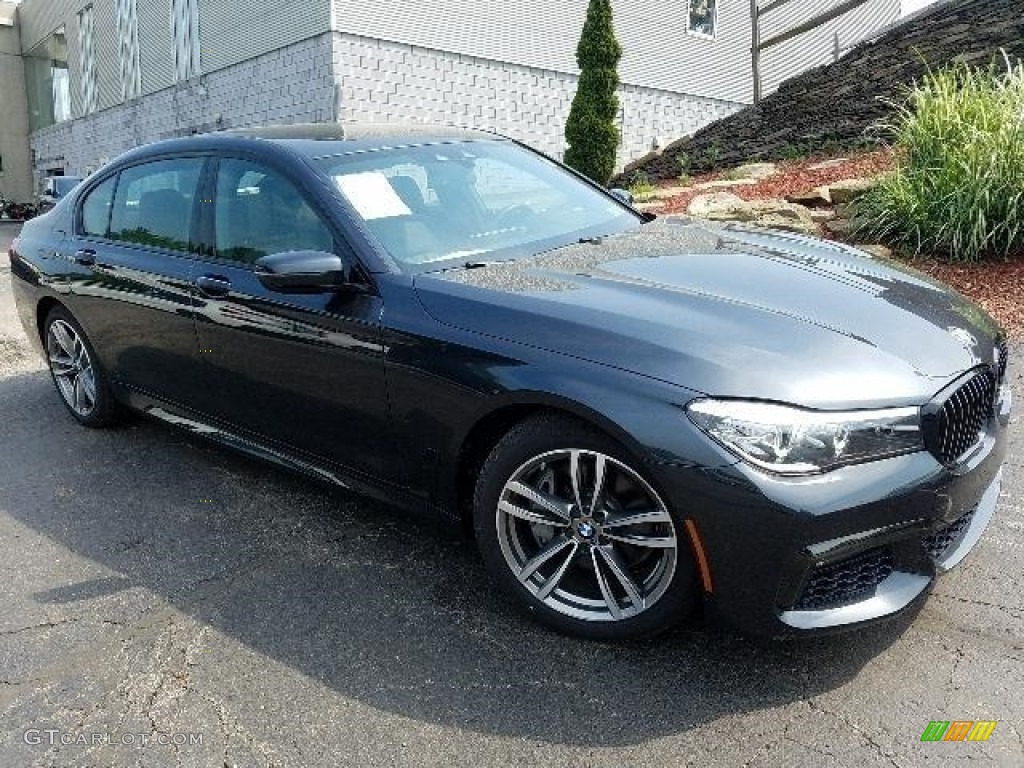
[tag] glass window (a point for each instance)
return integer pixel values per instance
(154, 203)
(128, 48)
(259, 212)
(185, 31)
(46, 82)
(96, 208)
(703, 17)
(431, 203)
(86, 60)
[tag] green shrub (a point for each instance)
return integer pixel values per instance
(590, 130)
(958, 188)
(641, 188)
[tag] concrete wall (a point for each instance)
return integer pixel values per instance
(290, 85)
(16, 177)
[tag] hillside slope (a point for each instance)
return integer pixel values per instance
(835, 105)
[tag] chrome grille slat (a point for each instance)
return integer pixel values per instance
(962, 417)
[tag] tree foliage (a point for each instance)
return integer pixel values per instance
(590, 130)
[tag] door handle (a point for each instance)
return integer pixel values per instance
(85, 256)
(213, 285)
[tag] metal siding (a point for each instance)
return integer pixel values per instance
(267, 24)
(39, 18)
(155, 45)
(658, 51)
(817, 47)
(105, 45)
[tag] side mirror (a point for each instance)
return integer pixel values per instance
(302, 272)
(622, 195)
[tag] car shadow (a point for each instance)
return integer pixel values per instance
(391, 611)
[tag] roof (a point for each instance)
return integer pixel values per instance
(316, 140)
(311, 138)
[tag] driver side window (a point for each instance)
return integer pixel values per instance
(259, 212)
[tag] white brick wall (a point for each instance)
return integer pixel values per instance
(290, 85)
(385, 81)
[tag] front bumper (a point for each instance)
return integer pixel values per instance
(835, 551)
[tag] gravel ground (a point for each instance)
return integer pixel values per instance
(155, 586)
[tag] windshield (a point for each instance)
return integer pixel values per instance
(471, 201)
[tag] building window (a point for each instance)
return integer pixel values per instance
(128, 45)
(87, 60)
(703, 17)
(46, 82)
(185, 28)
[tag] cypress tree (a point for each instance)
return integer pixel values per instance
(591, 132)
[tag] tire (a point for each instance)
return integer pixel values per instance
(586, 567)
(76, 372)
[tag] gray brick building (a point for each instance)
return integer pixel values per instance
(105, 75)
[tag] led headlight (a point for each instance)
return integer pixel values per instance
(794, 441)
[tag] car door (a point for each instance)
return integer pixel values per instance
(131, 250)
(304, 371)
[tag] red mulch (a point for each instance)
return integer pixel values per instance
(998, 287)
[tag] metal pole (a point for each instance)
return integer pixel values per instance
(755, 48)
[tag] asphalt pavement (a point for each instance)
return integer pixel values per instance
(168, 603)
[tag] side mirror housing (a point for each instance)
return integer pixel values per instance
(622, 195)
(303, 272)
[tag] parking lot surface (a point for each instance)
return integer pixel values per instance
(167, 603)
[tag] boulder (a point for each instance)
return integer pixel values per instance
(849, 189)
(817, 198)
(776, 214)
(725, 183)
(715, 205)
(876, 250)
(755, 171)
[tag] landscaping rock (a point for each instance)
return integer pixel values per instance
(755, 171)
(712, 206)
(817, 198)
(821, 215)
(849, 190)
(725, 183)
(777, 214)
(667, 193)
(839, 226)
(878, 251)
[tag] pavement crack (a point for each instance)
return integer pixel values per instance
(879, 748)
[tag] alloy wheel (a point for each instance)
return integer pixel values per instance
(586, 535)
(72, 367)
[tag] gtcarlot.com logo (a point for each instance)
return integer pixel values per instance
(958, 730)
(53, 737)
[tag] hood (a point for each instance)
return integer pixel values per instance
(728, 311)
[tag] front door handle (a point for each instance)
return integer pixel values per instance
(214, 286)
(85, 256)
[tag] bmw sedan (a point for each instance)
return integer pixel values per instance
(636, 417)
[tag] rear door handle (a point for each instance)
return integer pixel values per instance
(85, 256)
(213, 285)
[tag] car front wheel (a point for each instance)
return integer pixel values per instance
(568, 525)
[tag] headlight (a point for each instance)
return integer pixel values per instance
(794, 441)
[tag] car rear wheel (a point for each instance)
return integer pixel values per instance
(73, 365)
(570, 527)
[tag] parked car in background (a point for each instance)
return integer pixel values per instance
(55, 188)
(635, 416)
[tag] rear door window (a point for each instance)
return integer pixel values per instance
(155, 203)
(96, 208)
